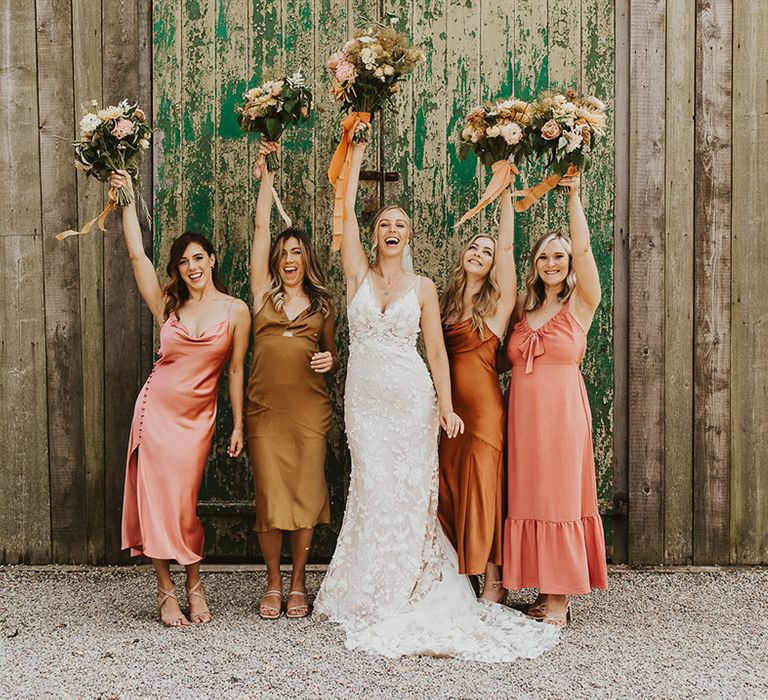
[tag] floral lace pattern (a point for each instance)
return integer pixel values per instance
(393, 583)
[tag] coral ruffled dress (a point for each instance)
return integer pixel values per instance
(553, 534)
(171, 436)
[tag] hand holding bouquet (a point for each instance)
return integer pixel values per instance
(111, 139)
(498, 136)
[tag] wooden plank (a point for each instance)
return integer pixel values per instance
(712, 354)
(122, 344)
(25, 528)
(749, 340)
(62, 284)
(86, 38)
(646, 282)
(678, 285)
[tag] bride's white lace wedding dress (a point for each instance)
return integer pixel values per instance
(393, 583)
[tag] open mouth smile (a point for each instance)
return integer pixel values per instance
(391, 240)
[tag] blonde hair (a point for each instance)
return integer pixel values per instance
(484, 302)
(377, 218)
(534, 285)
(314, 283)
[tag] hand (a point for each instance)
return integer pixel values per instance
(265, 148)
(236, 442)
(451, 423)
(572, 182)
(321, 362)
(121, 178)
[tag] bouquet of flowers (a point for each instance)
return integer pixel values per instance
(269, 108)
(564, 129)
(113, 138)
(498, 136)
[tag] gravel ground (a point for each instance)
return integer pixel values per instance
(92, 633)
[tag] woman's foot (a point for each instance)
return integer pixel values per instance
(168, 608)
(198, 608)
(493, 591)
(555, 610)
(537, 609)
(297, 605)
(271, 604)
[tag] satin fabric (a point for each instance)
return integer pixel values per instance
(471, 464)
(553, 534)
(170, 440)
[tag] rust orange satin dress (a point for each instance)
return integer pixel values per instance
(553, 534)
(170, 440)
(471, 464)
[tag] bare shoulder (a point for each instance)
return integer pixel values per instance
(241, 314)
(426, 285)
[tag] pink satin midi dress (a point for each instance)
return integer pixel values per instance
(553, 534)
(170, 440)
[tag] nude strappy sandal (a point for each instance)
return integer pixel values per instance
(297, 611)
(203, 616)
(163, 597)
(270, 612)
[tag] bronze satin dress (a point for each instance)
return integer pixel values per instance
(471, 464)
(288, 416)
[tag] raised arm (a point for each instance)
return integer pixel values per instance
(261, 236)
(353, 258)
(143, 269)
(437, 357)
(506, 273)
(241, 334)
(586, 297)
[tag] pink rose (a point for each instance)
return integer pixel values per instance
(123, 128)
(345, 72)
(333, 61)
(551, 130)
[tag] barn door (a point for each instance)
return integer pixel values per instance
(206, 52)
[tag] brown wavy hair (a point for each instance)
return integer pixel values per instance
(176, 291)
(534, 285)
(484, 302)
(314, 283)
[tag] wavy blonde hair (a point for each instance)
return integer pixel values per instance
(314, 283)
(484, 302)
(377, 218)
(534, 285)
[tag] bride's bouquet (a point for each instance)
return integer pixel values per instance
(113, 138)
(367, 72)
(564, 129)
(498, 136)
(269, 108)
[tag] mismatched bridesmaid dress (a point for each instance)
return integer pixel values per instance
(472, 463)
(553, 535)
(170, 440)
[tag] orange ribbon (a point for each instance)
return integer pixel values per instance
(338, 172)
(261, 167)
(532, 194)
(99, 220)
(503, 176)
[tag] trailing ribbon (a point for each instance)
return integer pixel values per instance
(338, 172)
(99, 220)
(503, 176)
(261, 167)
(531, 348)
(531, 194)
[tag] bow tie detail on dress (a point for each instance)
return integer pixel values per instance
(531, 347)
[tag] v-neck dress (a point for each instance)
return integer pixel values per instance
(288, 416)
(171, 434)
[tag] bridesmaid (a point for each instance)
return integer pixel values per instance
(475, 308)
(202, 328)
(553, 536)
(289, 411)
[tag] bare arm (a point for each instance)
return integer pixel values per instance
(586, 297)
(353, 257)
(241, 333)
(503, 363)
(327, 359)
(143, 269)
(261, 236)
(505, 264)
(437, 357)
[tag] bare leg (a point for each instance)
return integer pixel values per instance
(556, 608)
(198, 608)
(493, 590)
(167, 603)
(271, 543)
(300, 543)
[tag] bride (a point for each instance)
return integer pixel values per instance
(393, 583)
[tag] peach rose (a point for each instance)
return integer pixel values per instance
(551, 130)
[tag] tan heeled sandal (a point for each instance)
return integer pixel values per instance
(270, 612)
(202, 616)
(163, 597)
(297, 611)
(559, 619)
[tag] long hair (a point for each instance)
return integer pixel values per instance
(484, 302)
(314, 283)
(377, 218)
(176, 291)
(534, 285)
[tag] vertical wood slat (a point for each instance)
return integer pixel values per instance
(678, 285)
(62, 283)
(749, 340)
(86, 38)
(25, 526)
(122, 342)
(712, 268)
(646, 280)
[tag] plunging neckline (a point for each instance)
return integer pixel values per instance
(301, 313)
(383, 312)
(197, 337)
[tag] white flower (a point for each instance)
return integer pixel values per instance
(574, 139)
(389, 70)
(144, 143)
(88, 123)
(365, 39)
(297, 79)
(512, 133)
(493, 131)
(368, 58)
(568, 107)
(593, 102)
